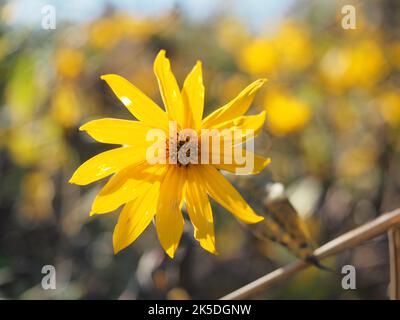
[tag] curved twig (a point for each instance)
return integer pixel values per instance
(348, 240)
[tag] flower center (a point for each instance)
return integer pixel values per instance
(187, 151)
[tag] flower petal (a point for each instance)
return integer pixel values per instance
(235, 108)
(199, 210)
(169, 220)
(225, 194)
(141, 106)
(106, 163)
(233, 132)
(169, 89)
(193, 97)
(125, 186)
(259, 164)
(253, 122)
(117, 131)
(135, 217)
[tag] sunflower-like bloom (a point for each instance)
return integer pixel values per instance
(159, 190)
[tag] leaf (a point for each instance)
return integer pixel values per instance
(282, 224)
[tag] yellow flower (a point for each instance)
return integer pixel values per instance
(293, 46)
(286, 114)
(37, 195)
(361, 64)
(65, 106)
(159, 190)
(258, 57)
(69, 62)
(389, 107)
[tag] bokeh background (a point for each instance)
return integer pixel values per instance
(333, 105)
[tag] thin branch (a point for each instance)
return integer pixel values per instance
(394, 251)
(348, 240)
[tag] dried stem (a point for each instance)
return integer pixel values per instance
(394, 251)
(348, 240)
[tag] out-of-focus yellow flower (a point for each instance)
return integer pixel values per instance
(69, 62)
(104, 33)
(65, 106)
(137, 28)
(37, 195)
(27, 143)
(293, 46)
(286, 114)
(258, 57)
(361, 64)
(389, 107)
(107, 32)
(178, 294)
(356, 161)
(159, 190)
(21, 143)
(394, 53)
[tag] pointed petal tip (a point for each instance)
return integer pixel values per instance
(256, 219)
(263, 114)
(161, 54)
(267, 161)
(116, 250)
(105, 76)
(116, 246)
(72, 180)
(110, 76)
(170, 252)
(260, 82)
(209, 248)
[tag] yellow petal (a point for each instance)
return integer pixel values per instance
(106, 163)
(169, 89)
(259, 164)
(199, 210)
(193, 97)
(225, 194)
(141, 106)
(169, 220)
(135, 217)
(253, 122)
(235, 132)
(117, 131)
(125, 186)
(235, 108)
